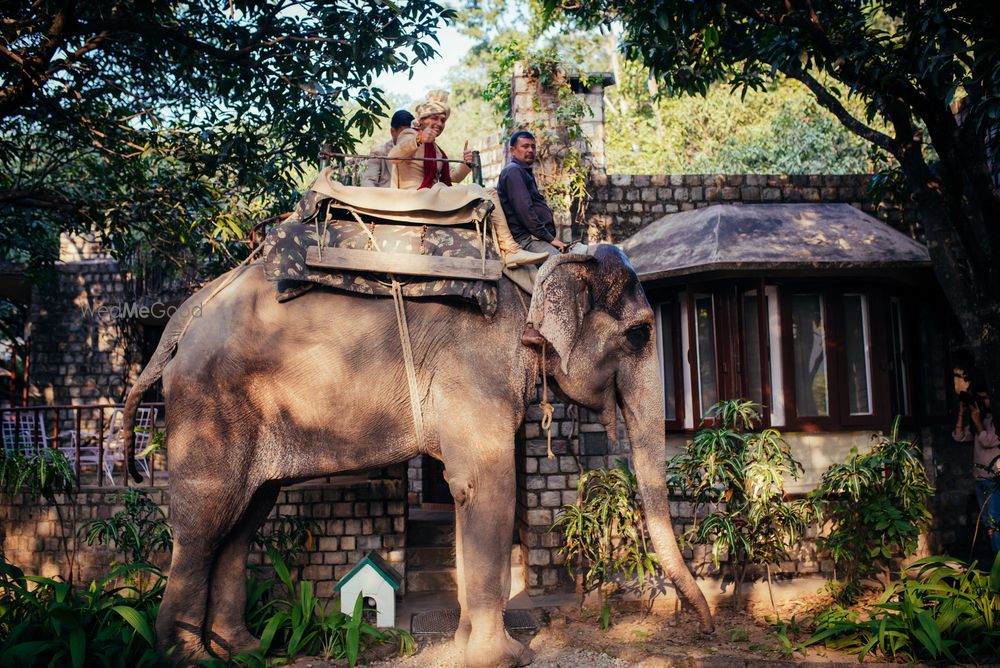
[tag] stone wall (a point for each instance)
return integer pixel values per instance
(78, 354)
(355, 516)
(492, 156)
(622, 204)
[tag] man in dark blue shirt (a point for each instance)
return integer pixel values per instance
(528, 216)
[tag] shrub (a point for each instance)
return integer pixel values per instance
(43, 474)
(605, 531)
(947, 610)
(301, 623)
(136, 532)
(38, 475)
(737, 475)
(877, 504)
(290, 536)
(47, 622)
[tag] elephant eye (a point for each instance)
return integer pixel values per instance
(638, 336)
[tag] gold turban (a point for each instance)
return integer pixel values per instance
(436, 103)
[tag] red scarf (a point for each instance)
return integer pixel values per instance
(431, 168)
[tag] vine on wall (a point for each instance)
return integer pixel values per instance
(561, 168)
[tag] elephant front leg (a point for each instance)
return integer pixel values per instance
(484, 523)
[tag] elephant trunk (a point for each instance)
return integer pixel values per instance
(642, 408)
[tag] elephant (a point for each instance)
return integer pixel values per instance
(261, 394)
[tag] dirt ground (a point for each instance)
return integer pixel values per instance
(569, 637)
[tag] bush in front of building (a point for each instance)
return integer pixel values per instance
(941, 609)
(734, 474)
(876, 503)
(136, 532)
(48, 622)
(604, 533)
(297, 621)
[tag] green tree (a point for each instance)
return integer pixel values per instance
(781, 131)
(166, 123)
(929, 72)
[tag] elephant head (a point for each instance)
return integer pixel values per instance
(602, 354)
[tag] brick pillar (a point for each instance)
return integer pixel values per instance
(533, 107)
(579, 443)
(78, 352)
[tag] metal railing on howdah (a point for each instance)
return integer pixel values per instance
(89, 435)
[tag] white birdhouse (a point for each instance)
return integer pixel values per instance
(376, 581)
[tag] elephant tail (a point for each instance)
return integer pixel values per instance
(171, 338)
(172, 335)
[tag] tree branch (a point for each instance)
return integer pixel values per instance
(39, 198)
(834, 106)
(33, 74)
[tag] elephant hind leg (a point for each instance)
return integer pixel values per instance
(181, 617)
(201, 520)
(226, 632)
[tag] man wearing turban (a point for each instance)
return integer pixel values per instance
(420, 142)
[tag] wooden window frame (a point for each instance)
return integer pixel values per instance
(730, 346)
(673, 303)
(839, 418)
(763, 343)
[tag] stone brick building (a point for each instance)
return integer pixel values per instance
(77, 360)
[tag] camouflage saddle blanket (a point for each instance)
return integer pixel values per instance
(433, 242)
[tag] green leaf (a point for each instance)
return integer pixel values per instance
(78, 647)
(995, 575)
(135, 619)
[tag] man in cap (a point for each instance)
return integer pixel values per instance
(377, 171)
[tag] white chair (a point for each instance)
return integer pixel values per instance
(24, 431)
(114, 453)
(86, 442)
(9, 430)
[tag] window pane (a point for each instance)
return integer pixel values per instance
(751, 350)
(858, 353)
(708, 393)
(809, 356)
(901, 374)
(667, 320)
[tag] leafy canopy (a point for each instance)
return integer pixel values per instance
(164, 122)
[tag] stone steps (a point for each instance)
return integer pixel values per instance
(430, 557)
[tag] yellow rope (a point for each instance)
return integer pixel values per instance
(371, 235)
(411, 372)
(547, 408)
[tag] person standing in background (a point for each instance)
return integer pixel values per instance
(974, 403)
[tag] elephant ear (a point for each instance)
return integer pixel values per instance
(561, 300)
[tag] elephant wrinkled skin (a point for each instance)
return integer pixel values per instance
(261, 394)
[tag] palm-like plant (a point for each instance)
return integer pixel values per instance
(605, 532)
(734, 477)
(877, 504)
(137, 532)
